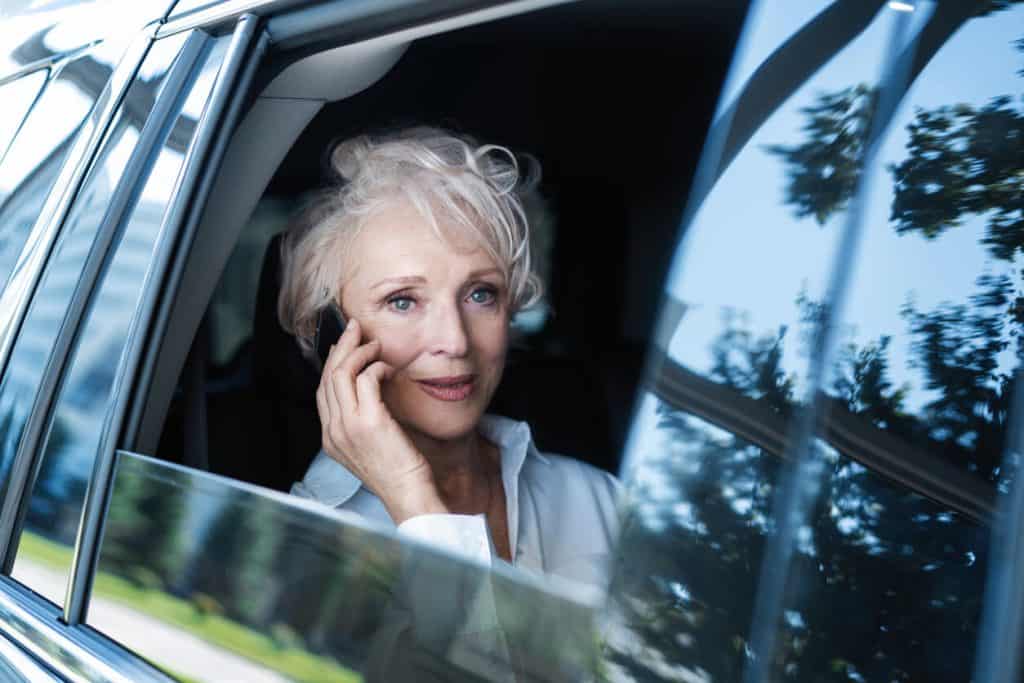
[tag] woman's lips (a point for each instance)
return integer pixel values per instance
(448, 388)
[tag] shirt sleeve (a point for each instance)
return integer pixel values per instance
(462, 535)
(444, 618)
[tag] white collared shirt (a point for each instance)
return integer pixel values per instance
(562, 513)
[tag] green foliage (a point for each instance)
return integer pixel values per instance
(864, 385)
(753, 365)
(964, 161)
(824, 170)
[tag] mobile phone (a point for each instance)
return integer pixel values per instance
(329, 327)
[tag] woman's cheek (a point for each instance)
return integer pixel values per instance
(397, 349)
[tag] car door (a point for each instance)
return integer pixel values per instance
(91, 182)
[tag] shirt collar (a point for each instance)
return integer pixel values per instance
(331, 483)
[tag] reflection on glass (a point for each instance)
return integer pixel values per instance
(26, 177)
(60, 485)
(33, 161)
(692, 548)
(50, 29)
(931, 342)
(262, 587)
(887, 585)
(933, 320)
(705, 452)
(17, 97)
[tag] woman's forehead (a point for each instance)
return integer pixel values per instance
(400, 242)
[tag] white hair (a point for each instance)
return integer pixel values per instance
(476, 190)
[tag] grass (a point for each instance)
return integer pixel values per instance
(296, 664)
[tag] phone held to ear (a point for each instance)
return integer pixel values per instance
(329, 327)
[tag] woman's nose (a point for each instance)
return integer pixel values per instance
(448, 336)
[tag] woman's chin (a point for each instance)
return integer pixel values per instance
(444, 425)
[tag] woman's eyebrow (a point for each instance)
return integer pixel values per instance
(483, 271)
(402, 280)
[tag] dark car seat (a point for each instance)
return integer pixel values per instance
(282, 374)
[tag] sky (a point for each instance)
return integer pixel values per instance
(747, 251)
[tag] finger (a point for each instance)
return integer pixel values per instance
(322, 407)
(368, 387)
(348, 342)
(331, 416)
(350, 368)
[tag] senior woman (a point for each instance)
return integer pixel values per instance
(425, 246)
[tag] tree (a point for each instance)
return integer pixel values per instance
(824, 170)
(965, 161)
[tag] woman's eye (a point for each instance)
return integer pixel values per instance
(402, 304)
(483, 295)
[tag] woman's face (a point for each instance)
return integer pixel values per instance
(440, 310)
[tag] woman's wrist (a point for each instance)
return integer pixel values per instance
(420, 498)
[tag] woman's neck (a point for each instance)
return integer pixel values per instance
(465, 470)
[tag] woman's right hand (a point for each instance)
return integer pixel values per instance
(359, 432)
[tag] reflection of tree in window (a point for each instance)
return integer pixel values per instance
(962, 162)
(879, 565)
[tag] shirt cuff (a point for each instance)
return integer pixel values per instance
(464, 535)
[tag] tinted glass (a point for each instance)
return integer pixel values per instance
(739, 331)
(53, 513)
(33, 161)
(26, 177)
(34, 31)
(923, 379)
(18, 97)
(258, 586)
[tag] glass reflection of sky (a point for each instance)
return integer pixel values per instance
(891, 267)
(46, 128)
(70, 26)
(744, 232)
(737, 254)
(17, 97)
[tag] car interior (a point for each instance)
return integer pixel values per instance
(613, 102)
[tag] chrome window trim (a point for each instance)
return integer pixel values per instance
(28, 112)
(221, 113)
(15, 502)
(55, 61)
(15, 298)
(29, 668)
(75, 653)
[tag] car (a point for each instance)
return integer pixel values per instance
(781, 248)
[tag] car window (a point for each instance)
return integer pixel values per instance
(38, 31)
(34, 159)
(95, 238)
(27, 175)
(929, 344)
(18, 96)
(264, 586)
(875, 563)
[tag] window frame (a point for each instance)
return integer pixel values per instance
(28, 621)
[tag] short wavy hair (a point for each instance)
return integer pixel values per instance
(453, 182)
